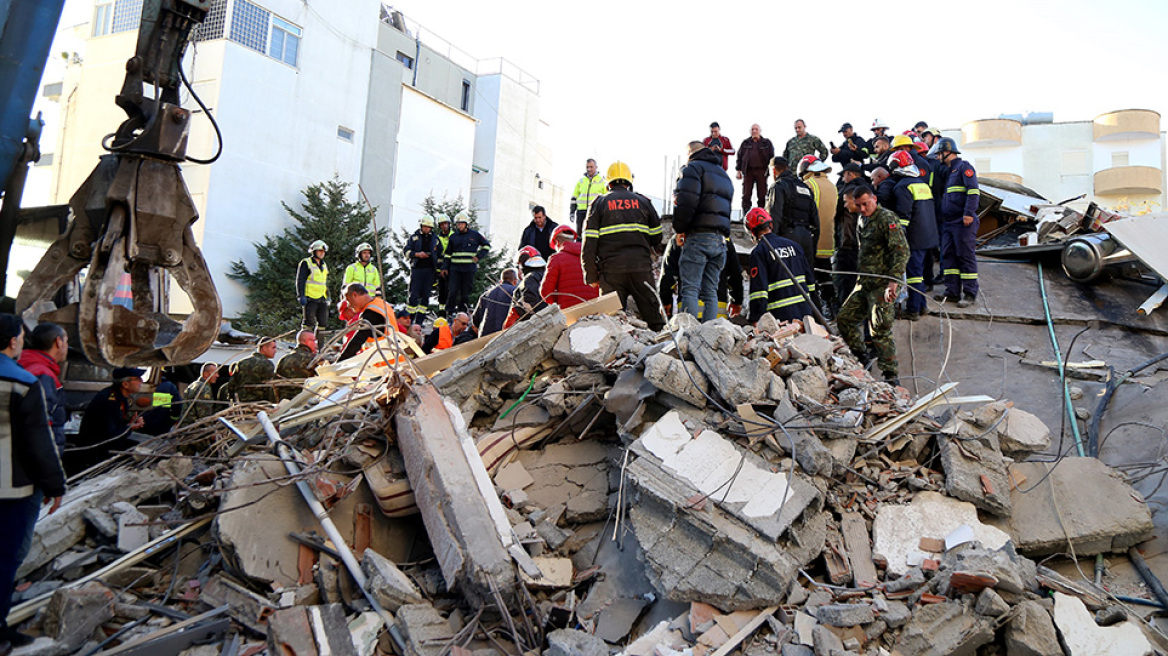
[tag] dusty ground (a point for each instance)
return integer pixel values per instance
(1010, 316)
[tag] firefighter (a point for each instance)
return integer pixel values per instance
(443, 239)
(773, 287)
(959, 235)
(312, 286)
(423, 249)
(463, 252)
(826, 198)
(364, 270)
(914, 205)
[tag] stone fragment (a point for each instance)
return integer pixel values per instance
(1019, 433)
(715, 347)
(796, 650)
(133, 532)
(898, 529)
(101, 522)
(991, 604)
(975, 471)
(557, 573)
(74, 613)
(816, 347)
(554, 536)
(1083, 637)
(1031, 632)
(424, 629)
(364, 629)
(912, 579)
(388, 584)
(944, 629)
(568, 642)
(811, 382)
(245, 606)
(591, 342)
(896, 615)
(845, 614)
(1039, 529)
(310, 630)
(826, 641)
(516, 351)
(673, 376)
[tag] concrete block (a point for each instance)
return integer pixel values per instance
(516, 351)
(811, 382)
(845, 614)
(1020, 433)
(568, 642)
(425, 630)
(591, 342)
(826, 641)
(715, 347)
(1107, 513)
(133, 531)
(101, 521)
(388, 584)
(818, 348)
(896, 615)
(1083, 637)
(682, 379)
(898, 530)
(1014, 573)
(1031, 632)
(991, 604)
(310, 630)
(557, 573)
(364, 629)
(74, 613)
(976, 472)
(945, 629)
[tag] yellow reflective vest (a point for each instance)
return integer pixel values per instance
(587, 190)
(366, 274)
(317, 284)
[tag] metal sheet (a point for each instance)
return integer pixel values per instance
(1011, 201)
(1147, 237)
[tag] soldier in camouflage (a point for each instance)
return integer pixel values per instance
(297, 364)
(804, 143)
(200, 396)
(884, 252)
(250, 376)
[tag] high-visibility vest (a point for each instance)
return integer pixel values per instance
(445, 338)
(366, 274)
(317, 284)
(587, 190)
(379, 306)
(160, 400)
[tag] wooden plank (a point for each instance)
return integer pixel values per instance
(835, 557)
(134, 646)
(856, 540)
(745, 632)
(606, 304)
(923, 403)
(439, 360)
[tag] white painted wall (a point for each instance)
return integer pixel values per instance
(1141, 152)
(435, 146)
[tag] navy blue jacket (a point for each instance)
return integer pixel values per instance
(702, 196)
(462, 247)
(771, 289)
(493, 306)
(962, 194)
(421, 243)
(914, 205)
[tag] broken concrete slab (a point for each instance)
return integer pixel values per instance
(682, 379)
(573, 475)
(1031, 632)
(991, 604)
(842, 615)
(592, 341)
(820, 349)
(568, 642)
(515, 352)
(715, 346)
(364, 629)
(616, 620)
(425, 630)
(944, 629)
(457, 519)
(827, 643)
(513, 476)
(245, 606)
(388, 584)
(310, 630)
(133, 531)
(556, 573)
(810, 383)
(1019, 433)
(897, 530)
(1013, 573)
(526, 415)
(74, 613)
(1083, 637)
(101, 521)
(975, 471)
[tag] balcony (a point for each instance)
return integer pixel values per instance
(991, 133)
(1127, 124)
(1004, 177)
(1129, 181)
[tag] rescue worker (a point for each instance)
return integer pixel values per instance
(200, 396)
(847, 238)
(826, 198)
(881, 147)
(879, 128)
(251, 375)
(772, 288)
(442, 284)
(622, 232)
(423, 250)
(702, 197)
(853, 149)
(791, 204)
(364, 270)
(884, 253)
(959, 235)
(563, 283)
(373, 311)
(527, 300)
(588, 188)
(463, 252)
(445, 336)
(297, 364)
(914, 206)
(312, 286)
(730, 289)
(904, 142)
(166, 406)
(491, 311)
(107, 423)
(883, 185)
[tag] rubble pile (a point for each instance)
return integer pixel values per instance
(582, 485)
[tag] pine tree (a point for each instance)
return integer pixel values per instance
(489, 268)
(325, 213)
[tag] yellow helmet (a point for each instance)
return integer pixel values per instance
(620, 171)
(901, 140)
(439, 322)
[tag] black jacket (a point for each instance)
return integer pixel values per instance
(847, 227)
(914, 204)
(541, 239)
(423, 243)
(461, 247)
(703, 195)
(791, 203)
(620, 234)
(527, 295)
(853, 149)
(754, 155)
(491, 311)
(730, 287)
(28, 449)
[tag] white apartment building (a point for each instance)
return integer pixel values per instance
(304, 92)
(1117, 159)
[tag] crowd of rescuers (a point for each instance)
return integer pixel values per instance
(861, 250)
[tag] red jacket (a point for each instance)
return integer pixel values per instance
(563, 283)
(727, 150)
(38, 363)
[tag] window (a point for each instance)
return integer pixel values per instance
(405, 59)
(982, 165)
(345, 133)
(249, 25)
(127, 16)
(213, 23)
(1119, 158)
(103, 15)
(465, 96)
(1074, 162)
(285, 41)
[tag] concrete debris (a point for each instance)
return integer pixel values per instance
(310, 630)
(567, 642)
(680, 378)
(1019, 432)
(74, 614)
(1082, 636)
(975, 471)
(388, 584)
(991, 604)
(944, 629)
(426, 631)
(591, 342)
(845, 614)
(1031, 632)
(898, 530)
(133, 531)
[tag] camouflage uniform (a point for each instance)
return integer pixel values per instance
(200, 399)
(248, 378)
(884, 251)
(294, 366)
(808, 144)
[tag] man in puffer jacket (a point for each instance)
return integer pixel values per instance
(563, 284)
(701, 215)
(527, 300)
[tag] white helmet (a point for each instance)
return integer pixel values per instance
(363, 246)
(879, 124)
(317, 245)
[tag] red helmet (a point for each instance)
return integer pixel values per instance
(756, 218)
(921, 147)
(900, 158)
(562, 230)
(526, 253)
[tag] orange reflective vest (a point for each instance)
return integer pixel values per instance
(445, 338)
